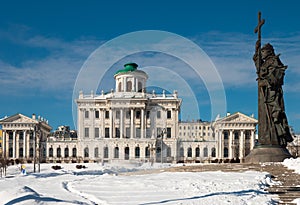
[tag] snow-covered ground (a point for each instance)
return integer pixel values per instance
(121, 184)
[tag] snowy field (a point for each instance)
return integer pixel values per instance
(121, 184)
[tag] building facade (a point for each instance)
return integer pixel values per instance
(24, 138)
(130, 124)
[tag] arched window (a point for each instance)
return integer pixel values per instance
(116, 152)
(197, 152)
(169, 153)
(58, 152)
(137, 152)
(66, 152)
(129, 86)
(205, 152)
(140, 87)
(74, 152)
(225, 152)
(120, 87)
(105, 152)
(213, 152)
(147, 152)
(189, 152)
(181, 152)
(50, 152)
(96, 152)
(86, 152)
(126, 153)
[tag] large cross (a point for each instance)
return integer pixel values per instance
(258, 27)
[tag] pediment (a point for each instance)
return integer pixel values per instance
(18, 118)
(238, 118)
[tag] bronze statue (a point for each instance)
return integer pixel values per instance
(273, 126)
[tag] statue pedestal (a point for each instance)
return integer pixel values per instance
(267, 153)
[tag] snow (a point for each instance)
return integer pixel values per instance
(132, 184)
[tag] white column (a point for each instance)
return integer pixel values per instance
(24, 143)
(110, 123)
(252, 140)
(14, 143)
(131, 123)
(80, 123)
(142, 123)
(230, 145)
(124, 84)
(4, 143)
(121, 123)
(102, 111)
(242, 145)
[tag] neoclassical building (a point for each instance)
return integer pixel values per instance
(24, 138)
(133, 125)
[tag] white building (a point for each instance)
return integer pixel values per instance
(129, 124)
(24, 138)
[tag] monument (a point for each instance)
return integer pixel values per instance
(273, 129)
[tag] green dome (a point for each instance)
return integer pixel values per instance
(128, 67)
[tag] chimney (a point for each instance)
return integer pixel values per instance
(33, 116)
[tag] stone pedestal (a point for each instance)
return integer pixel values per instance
(267, 153)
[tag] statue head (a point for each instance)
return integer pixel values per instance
(267, 50)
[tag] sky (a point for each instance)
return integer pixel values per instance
(135, 184)
(45, 45)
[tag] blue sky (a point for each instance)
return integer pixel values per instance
(43, 46)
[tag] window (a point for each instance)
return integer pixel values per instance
(86, 114)
(137, 152)
(138, 114)
(126, 153)
(50, 152)
(74, 152)
(107, 132)
(127, 132)
(30, 152)
(105, 152)
(140, 87)
(20, 152)
(236, 135)
(169, 114)
(106, 114)
(225, 135)
(205, 152)
(147, 152)
(21, 135)
(213, 152)
(247, 134)
(225, 152)
(148, 114)
(197, 151)
(169, 132)
(97, 132)
(97, 114)
(189, 152)
(58, 152)
(158, 114)
(86, 152)
(117, 132)
(66, 152)
(129, 86)
(116, 153)
(86, 132)
(148, 133)
(96, 152)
